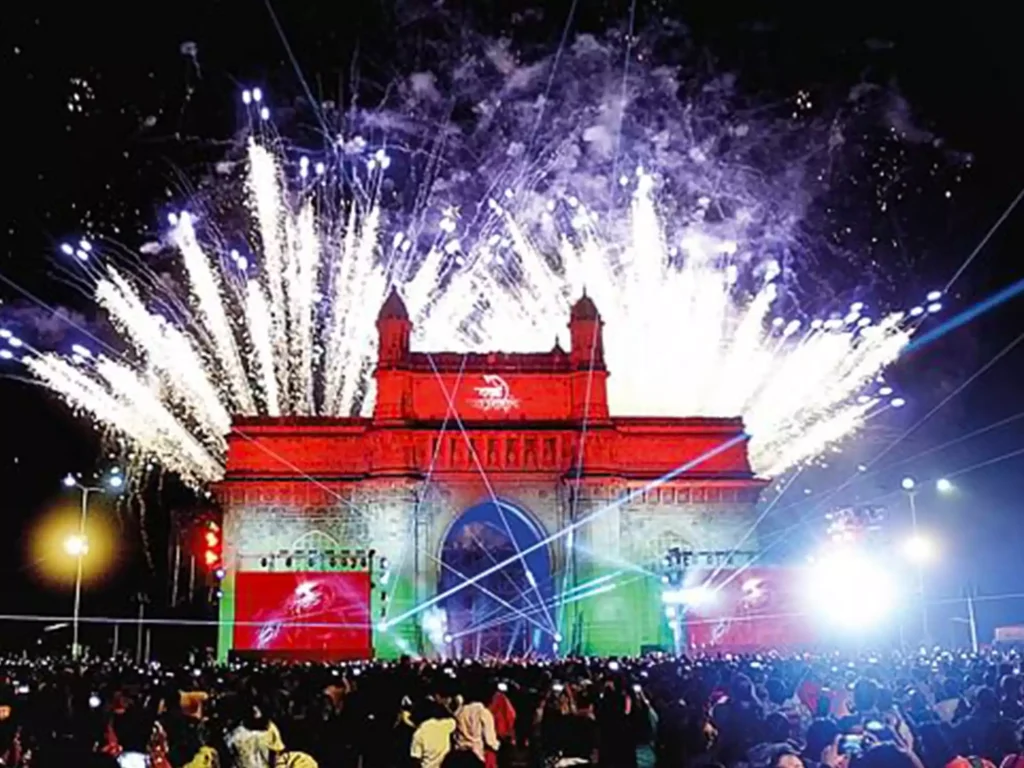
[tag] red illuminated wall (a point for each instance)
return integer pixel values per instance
(326, 615)
(753, 609)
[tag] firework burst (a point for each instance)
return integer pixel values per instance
(684, 217)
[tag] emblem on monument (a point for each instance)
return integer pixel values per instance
(494, 395)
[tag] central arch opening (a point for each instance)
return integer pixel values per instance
(508, 612)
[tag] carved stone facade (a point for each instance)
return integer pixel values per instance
(450, 431)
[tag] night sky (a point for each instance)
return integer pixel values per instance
(112, 111)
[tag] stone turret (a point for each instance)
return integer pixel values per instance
(586, 338)
(586, 356)
(394, 330)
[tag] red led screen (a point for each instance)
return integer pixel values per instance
(752, 609)
(312, 614)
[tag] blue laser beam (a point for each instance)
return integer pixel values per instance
(969, 314)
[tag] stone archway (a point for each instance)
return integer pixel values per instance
(507, 612)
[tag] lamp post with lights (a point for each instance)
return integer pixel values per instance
(920, 549)
(78, 545)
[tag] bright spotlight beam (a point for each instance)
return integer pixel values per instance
(563, 599)
(969, 314)
(560, 599)
(682, 468)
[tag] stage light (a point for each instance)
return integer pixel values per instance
(69, 481)
(850, 590)
(448, 638)
(919, 549)
(944, 485)
(908, 484)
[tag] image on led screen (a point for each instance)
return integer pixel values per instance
(301, 611)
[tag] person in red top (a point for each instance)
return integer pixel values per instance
(504, 723)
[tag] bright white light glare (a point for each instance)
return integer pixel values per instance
(67, 249)
(76, 546)
(934, 307)
(908, 484)
(116, 481)
(944, 485)
(897, 402)
(848, 589)
(257, 94)
(934, 295)
(264, 113)
(78, 349)
(919, 549)
(69, 481)
(6, 354)
(434, 623)
(917, 311)
(94, 701)
(690, 596)
(246, 96)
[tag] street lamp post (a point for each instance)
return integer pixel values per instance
(912, 496)
(920, 549)
(78, 546)
(911, 488)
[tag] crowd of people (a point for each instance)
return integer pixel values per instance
(936, 710)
